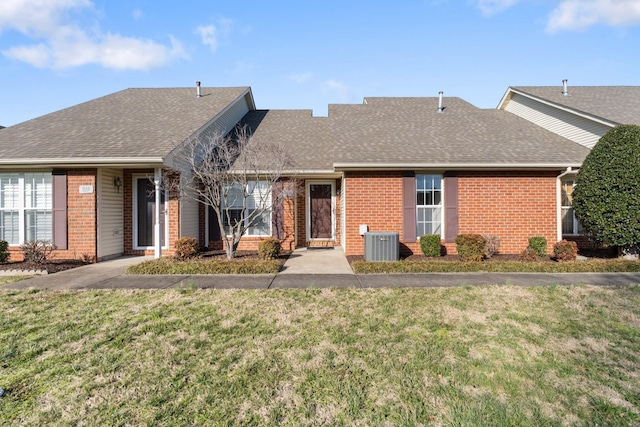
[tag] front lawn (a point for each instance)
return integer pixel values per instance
(448, 356)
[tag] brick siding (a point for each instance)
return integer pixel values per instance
(511, 205)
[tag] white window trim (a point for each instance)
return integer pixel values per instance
(246, 233)
(575, 228)
(440, 206)
(22, 210)
(308, 185)
(134, 192)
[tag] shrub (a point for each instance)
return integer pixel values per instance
(492, 245)
(470, 247)
(37, 251)
(538, 244)
(529, 255)
(565, 250)
(430, 245)
(186, 248)
(606, 198)
(269, 248)
(4, 251)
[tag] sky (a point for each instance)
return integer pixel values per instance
(308, 54)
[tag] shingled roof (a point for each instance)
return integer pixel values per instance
(133, 124)
(613, 104)
(411, 132)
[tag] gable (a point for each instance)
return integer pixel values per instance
(572, 126)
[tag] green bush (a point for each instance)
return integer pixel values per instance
(430, 245)
(565, 250)
(470, 247)
(186, 248)
(528, 255)
(198, 266)
(269, 248)
(606, 199)
(492, 245)
(4, 251)
(538, 244)
(37, 251)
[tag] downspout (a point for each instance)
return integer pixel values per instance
(559, 201)
(157, 181)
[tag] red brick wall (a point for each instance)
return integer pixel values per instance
(511, 205)
(81, 219)
(374, 199)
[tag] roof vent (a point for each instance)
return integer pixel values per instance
(198, 93)
(440, 107)
(565, 91)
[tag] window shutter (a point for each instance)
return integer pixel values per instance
(59, 209)
(277, 211)
(409, 207)
(451, 207)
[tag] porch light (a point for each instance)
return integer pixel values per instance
(117, 182)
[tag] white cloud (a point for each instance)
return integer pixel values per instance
(211, 35)
(581, 14)
(341, 89)
(63, 44)
(300, 78)
(137, 14)
(208, 36)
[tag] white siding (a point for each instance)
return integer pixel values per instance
(189, 215)
(229, 118)
(110, 214)
(576, 128)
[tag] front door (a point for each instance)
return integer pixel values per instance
(320, 211)
(145, 216)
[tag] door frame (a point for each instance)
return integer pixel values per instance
(308, 185)
(134, 191)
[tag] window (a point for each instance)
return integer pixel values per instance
(570, 224)
(255, 201)
(26, 202)
(429, 204)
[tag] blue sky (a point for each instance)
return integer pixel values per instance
(306, 55)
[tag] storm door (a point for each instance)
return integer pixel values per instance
(145, 213)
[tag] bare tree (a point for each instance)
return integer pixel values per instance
(236, 176)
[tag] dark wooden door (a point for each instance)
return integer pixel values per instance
(320, 211)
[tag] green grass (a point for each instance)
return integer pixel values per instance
(169, 265)
(448, 356)
(592, 266)
(11, 279)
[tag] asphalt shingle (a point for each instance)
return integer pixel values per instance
(133, 123)
(617, 104)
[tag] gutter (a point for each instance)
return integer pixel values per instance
(82, 162)
(452, 166)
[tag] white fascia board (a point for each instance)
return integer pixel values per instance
(561, 107)
(83, 162)
(452, 166)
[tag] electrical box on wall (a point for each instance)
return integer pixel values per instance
(363, 229)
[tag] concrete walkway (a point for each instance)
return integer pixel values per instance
(310, 269)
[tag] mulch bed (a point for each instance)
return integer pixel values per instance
(51, 266)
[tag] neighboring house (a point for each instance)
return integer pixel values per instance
(582, 114)
(86, 176)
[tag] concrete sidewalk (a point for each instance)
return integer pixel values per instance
(318, 274)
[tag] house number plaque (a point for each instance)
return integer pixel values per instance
(86, 189)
